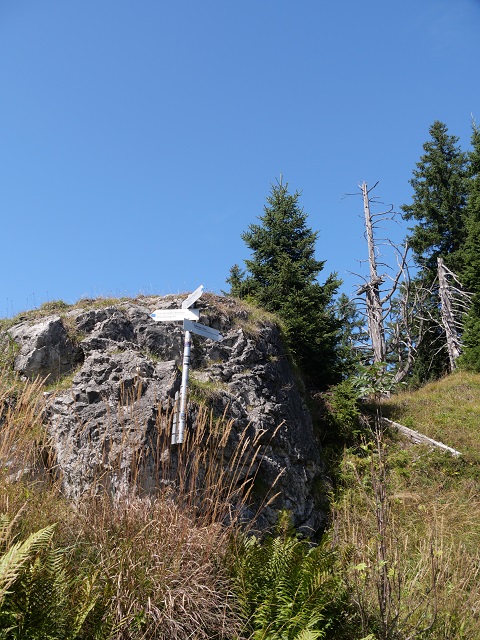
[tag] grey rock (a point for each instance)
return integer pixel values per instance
(110, 428)
(108, 417)
(46, 350)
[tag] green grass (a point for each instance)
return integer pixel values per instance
(204, 391)
(447, 410)
(63, 383)
(407, 516)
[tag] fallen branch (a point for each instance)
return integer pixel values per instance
(419, 438)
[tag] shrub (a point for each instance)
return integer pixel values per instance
(344, 415)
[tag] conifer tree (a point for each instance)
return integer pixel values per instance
(470, 358)
(439, 203)
(439, 207)
(281, 276)
(235, 281)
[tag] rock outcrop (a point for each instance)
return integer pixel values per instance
(123, 373)
(45, 349)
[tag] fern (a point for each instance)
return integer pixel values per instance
(286, 588)
(40, 599)
(19, 553)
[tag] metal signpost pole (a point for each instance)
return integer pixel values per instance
(190, 317)
(177, 435)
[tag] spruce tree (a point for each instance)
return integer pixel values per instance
(439, 207)
(439, 203)
(281, 277)
(470, 357)
(235, 281)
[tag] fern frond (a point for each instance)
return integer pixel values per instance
(284, 586)
(19, 553)
(86, 605)
(6, 526)
(309, 634)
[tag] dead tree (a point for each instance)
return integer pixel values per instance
(378, 303)
(397, 326)
(372, 288)
(454, 303)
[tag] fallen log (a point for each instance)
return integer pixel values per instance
(419, 438)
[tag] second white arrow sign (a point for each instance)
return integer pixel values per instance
(193, 297)
(202, 330)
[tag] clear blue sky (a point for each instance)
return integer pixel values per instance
(138, 140)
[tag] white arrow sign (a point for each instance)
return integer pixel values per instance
(202, 330)
(175, 315)
(192, 298)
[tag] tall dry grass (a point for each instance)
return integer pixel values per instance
(158, 555)
(22, 432)
(409, 542)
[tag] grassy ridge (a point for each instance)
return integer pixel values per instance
(447, 410)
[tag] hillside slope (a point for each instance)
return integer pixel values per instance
(447, 410)
(408, 517)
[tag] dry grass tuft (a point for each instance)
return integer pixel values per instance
(165, 568)
(21, 428)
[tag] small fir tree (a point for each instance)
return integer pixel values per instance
(353, 335)
(235, 281)
(281, 277)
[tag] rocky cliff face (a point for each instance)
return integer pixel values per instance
(118, 371)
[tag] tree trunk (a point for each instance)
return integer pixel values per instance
(372, 289)
(448, 316)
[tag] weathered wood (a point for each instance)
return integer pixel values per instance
(448, 316)
(372, 288)
(419, 438)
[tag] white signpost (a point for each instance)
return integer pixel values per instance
(190, 325)
(174, 315)
(192, 298)
(202, 330)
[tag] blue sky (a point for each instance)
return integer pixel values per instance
(138, 140)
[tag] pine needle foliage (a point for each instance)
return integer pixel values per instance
(439, 209)
(439, 202)
(286, 587)
(470, 359)
(281, 277)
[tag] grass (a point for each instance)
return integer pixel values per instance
(60, 308)
(406, 521)
(22, 432)
(55, 307)
(240, 313)
(63, 383)
(204, 390)
(447, 410)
